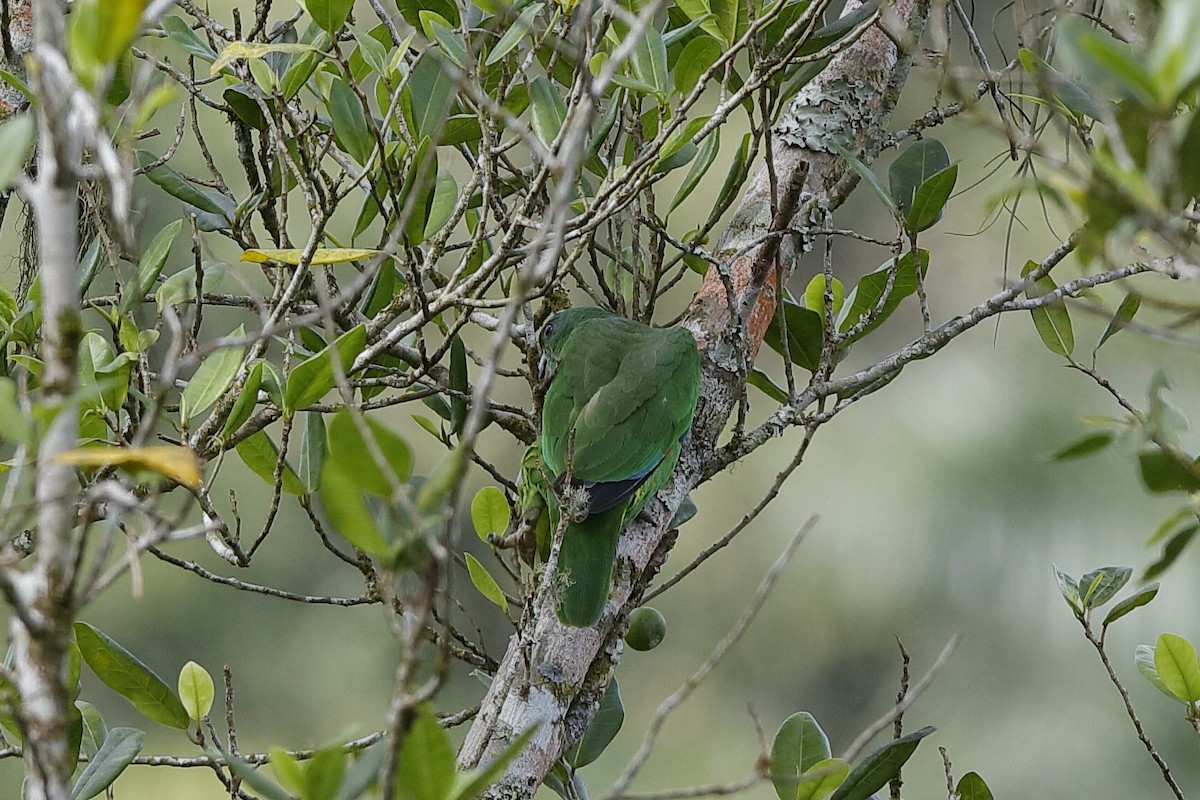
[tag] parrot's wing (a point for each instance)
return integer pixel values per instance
(628, 392)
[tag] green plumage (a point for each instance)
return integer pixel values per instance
(621, 396)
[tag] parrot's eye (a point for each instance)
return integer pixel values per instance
(547, 331)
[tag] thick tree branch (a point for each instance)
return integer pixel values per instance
(553, 676)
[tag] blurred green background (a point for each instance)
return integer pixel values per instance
(940, 514)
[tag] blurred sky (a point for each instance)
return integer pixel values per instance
(940, 515)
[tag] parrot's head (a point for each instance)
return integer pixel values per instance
(555, 333)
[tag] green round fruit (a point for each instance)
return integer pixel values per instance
(647, 629)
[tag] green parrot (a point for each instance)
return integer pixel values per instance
(621, 396)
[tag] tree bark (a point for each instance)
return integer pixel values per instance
(553, 676)
(40, 629)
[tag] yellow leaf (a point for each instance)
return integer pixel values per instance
(237, 50)
(338, 255)
(179, 464)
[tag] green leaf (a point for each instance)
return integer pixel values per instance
(432, 90)
(649, 61)
(799, 744)
(489, 512)
(94, 729)
(214, 375)
(458, 383)
(151, 265)
(426, 767)
(1178, 667)
(679, 140)
(287, 770)
(821, 779)
(17, 136)
(449, 42)
(349, 455)
(1093, 443)
(600, 732)
(805, 332)
(762, 381)
(122, 672)
(515, 33)
(196, 690)
(880, 767)
(251, 777)
(1136, 600)
(1171, 551)
(1143, 659)
(243, 406)
(14, 426)
(864, 301)
(311, 379)
(120, 747)
(704, 158)
(1161, 473)
(180, 32)
(912, 168)
(929, 201)
(363, 773)
(312, 451)
(343, 503)
(864, 172)
(260, 454)
(694, 60)
(485, 583)
(736, 175)
(549, 111)
(972, 787)
(1068, 588)
(330, 14)
(1075, 95)
(178, 186)
(349, 121)
(814, 294)
(1101, 585)
(1123, 316)
(1052, 321)
(441, 208)
(323, 773)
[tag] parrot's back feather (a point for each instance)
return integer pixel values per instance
(621, 398)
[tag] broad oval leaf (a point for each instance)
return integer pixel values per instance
(16, 143)
(972, 787)
(120, 747)
(349, 455)
(426, 767)
(259, 453)
(548, 109)
(879, 767)
(126, 675)
(1086, 446)
(799, 744)
(210, 380)
(1101, 585)
(330, 14)
(929, 201)
(871, 302)
(1052, 321)
(805, 335)
(821, 779)
(1178, 667)
(349, 121)
(489, 512)
(1136, 600)
(247, 397)
(600, 732)
(912, 168)
(196, 690)
(704, 159)
(342, 501)
(313, 448)
(485, 583)
(311, 379)
(1143, 659)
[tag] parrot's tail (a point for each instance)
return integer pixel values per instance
(585, 567)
